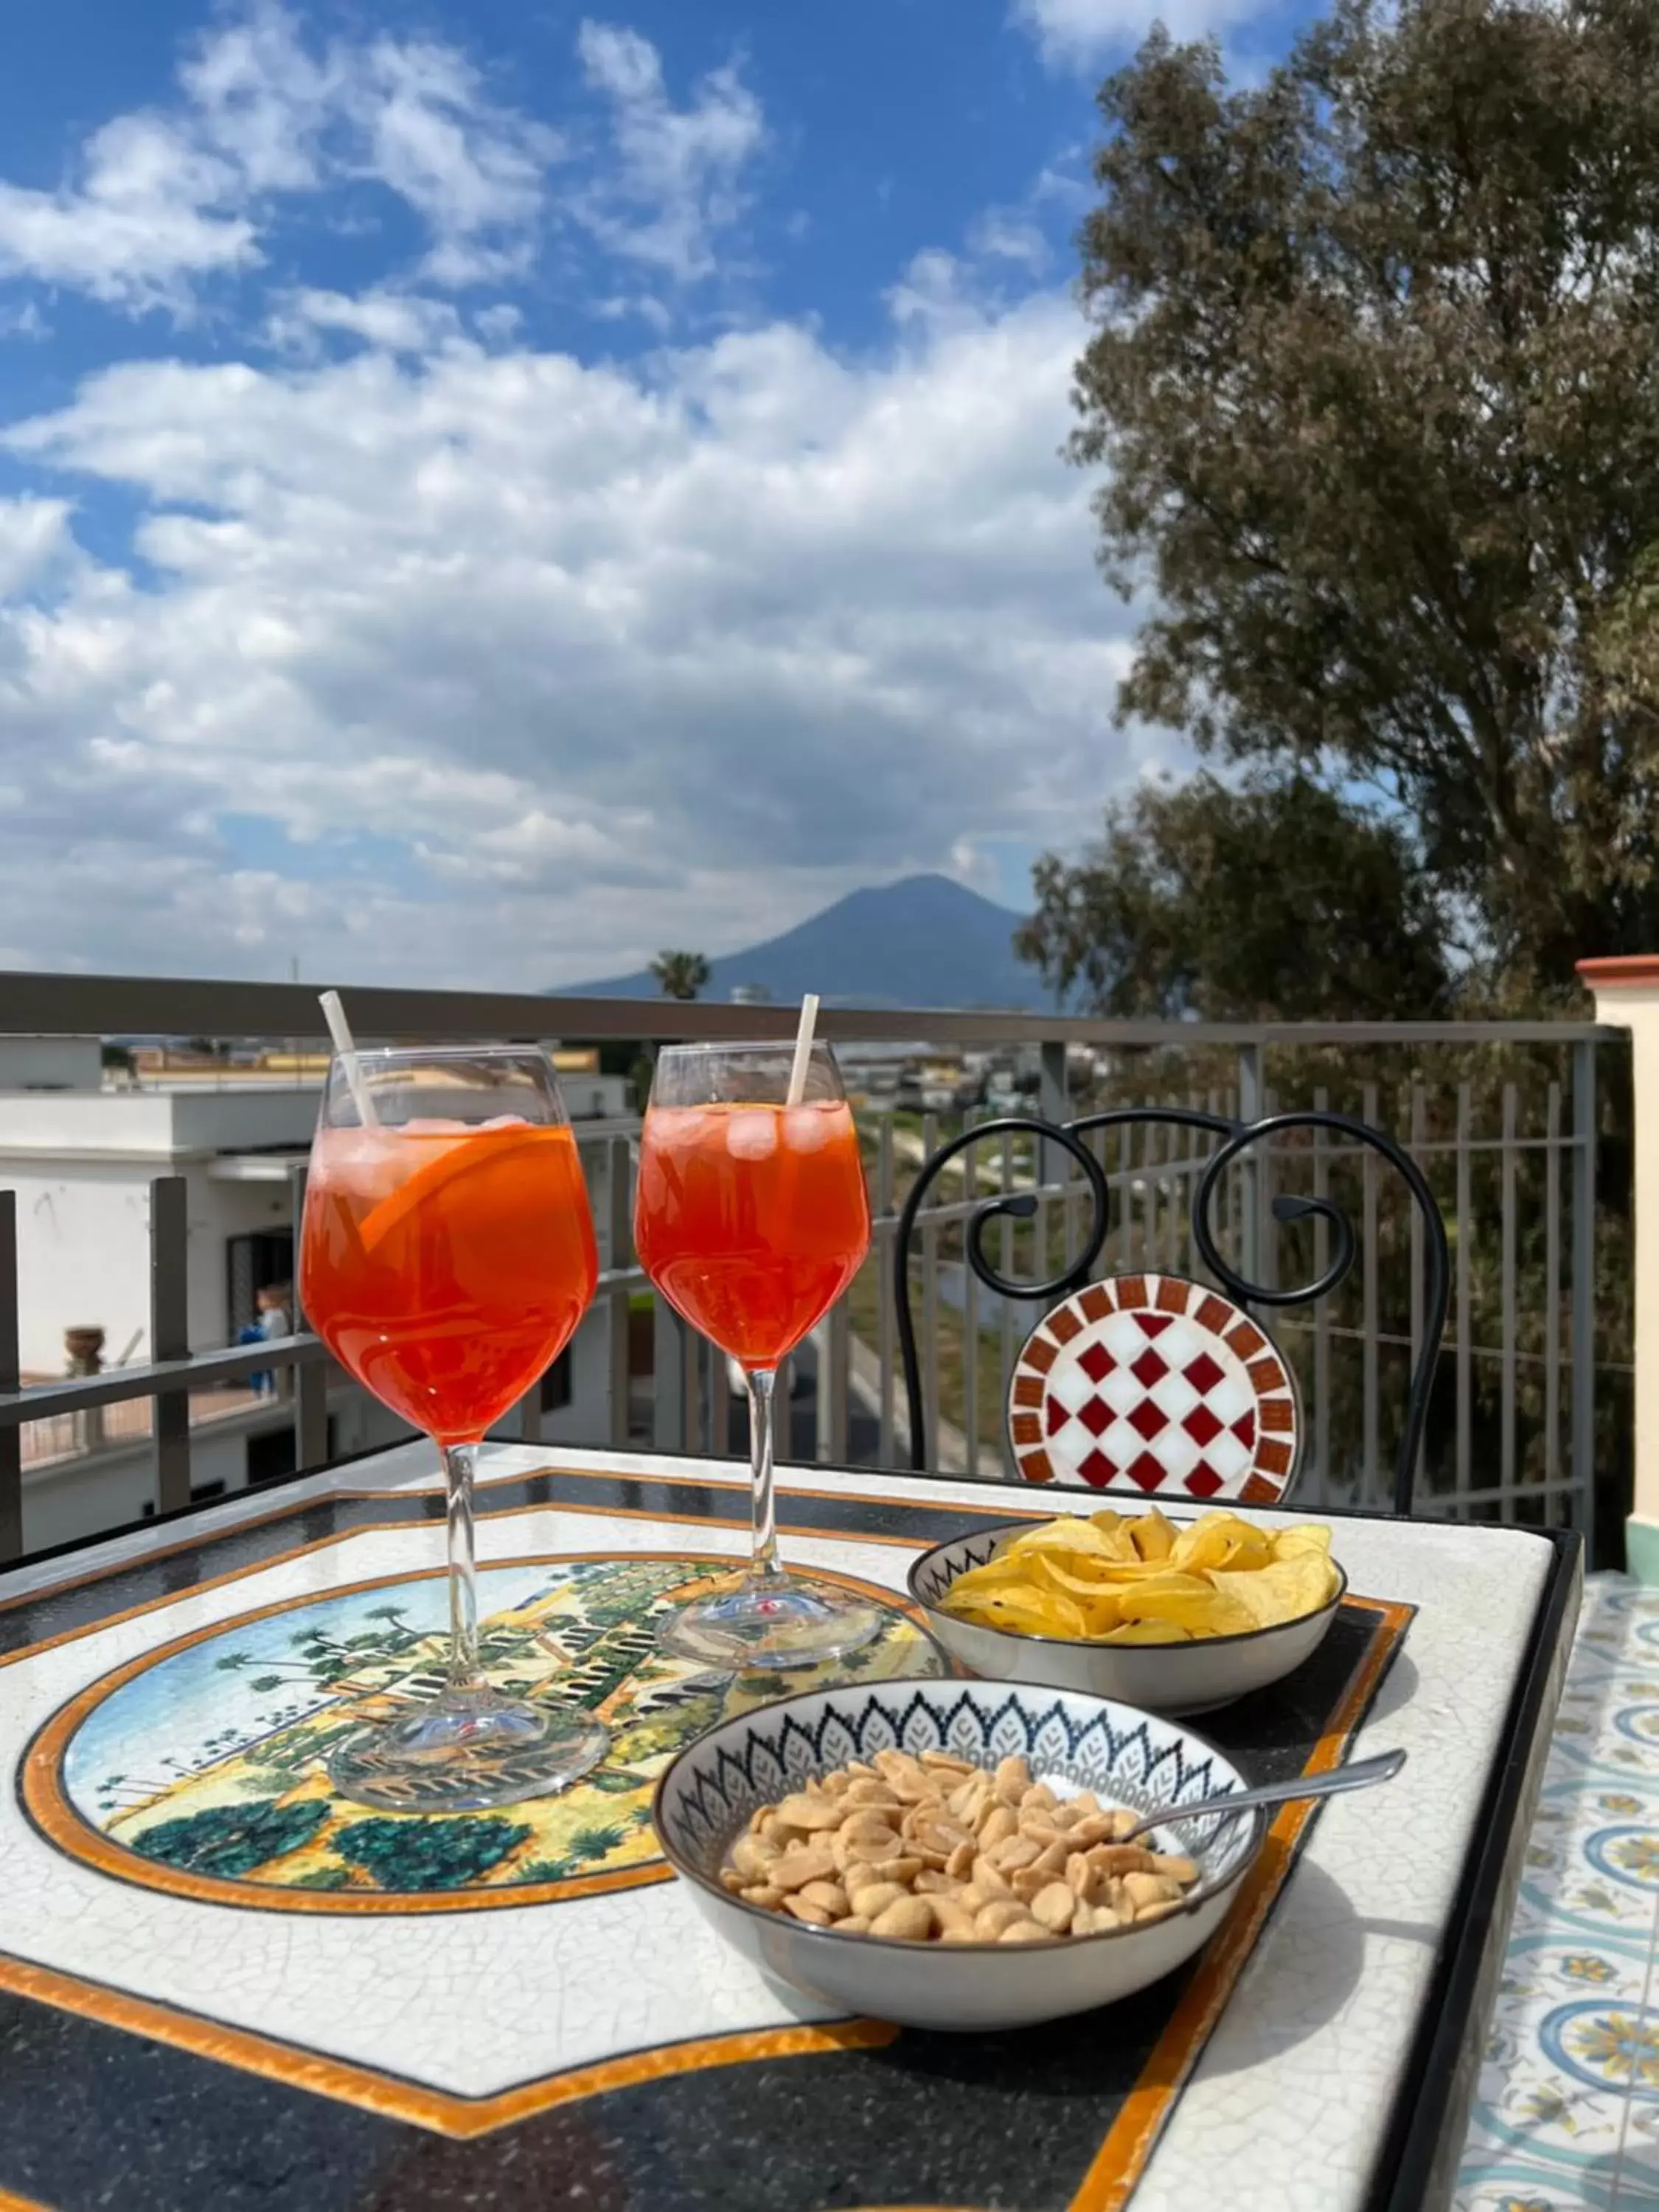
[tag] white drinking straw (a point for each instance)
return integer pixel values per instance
(345, 1046)
(809, 1022)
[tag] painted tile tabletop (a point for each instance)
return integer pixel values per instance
(120, 1871)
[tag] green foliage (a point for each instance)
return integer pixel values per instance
(1279, 901)
(229, 1840)
(428, 1851)
(680, 974)
(1374, 385)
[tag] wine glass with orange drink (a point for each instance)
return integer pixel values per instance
(751, 1218)
(447, 1256)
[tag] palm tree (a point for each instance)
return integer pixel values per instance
(680, 974)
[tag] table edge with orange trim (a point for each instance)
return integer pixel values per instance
(1472, 1697)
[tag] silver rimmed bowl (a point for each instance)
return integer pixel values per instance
(1161, 1678)
(1072, 1741)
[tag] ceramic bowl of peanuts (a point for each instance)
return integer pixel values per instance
(946, 1854)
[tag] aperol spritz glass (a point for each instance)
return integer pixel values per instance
(751, 1218)
(447, 1256)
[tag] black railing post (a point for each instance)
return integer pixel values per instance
(11, 1437)
(169, 1336)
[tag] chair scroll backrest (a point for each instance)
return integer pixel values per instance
(1150, 1385)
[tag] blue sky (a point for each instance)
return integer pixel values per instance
(489, 489)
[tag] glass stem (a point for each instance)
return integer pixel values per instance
(764, 1567)
(460, 1461)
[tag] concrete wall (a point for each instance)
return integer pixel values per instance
(82, 1254)
(1627, 997)
(157, 1124)
(83, 1250)
(51, 1064)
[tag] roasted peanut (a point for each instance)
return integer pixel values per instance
(808, 1813)
(999, 1824)
(931, 1848)
(1025, 1932)
(1002, 1912)
(1174, 1870)
(875, 1896)
(909, 1919)
(1011, 1781)
(1144, 1889)
(813, 1915)
(799, 1864)
(1054, 1906)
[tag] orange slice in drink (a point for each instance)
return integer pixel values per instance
(461, 1157)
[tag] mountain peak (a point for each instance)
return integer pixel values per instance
(925, 941)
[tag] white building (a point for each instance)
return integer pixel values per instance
(80, 1159)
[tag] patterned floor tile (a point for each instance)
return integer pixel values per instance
(1519, 2188)
(1566, 2115)
(1592, 1861)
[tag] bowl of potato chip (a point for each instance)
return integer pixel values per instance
(1176, 1617)
(951, 1854)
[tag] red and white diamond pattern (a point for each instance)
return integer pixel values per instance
(1153, 1385)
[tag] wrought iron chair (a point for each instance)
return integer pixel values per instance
(1150, 1385)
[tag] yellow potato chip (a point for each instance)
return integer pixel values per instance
(996, 1574)
(1151, 1535)
(1068, 1534)
(1110, 1579)
(1058, 1574)
(1222, 1540)
(1314, 1537)
(1202, 1611)
(1034, 1611)
(1115, 1530)
(1286, 1590)
(1100, 1616)
(1147, 1632)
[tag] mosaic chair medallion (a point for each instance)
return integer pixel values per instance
(1149, 1384)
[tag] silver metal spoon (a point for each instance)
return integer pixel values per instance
(1359, 1776)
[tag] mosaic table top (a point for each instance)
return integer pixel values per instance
(220, 1986)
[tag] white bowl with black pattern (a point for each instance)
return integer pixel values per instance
(707, 1797)
(1163, 1678)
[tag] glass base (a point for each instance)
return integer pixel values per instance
(773, 1620)
(467, 1749)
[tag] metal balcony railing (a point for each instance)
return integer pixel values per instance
(1541, 1363)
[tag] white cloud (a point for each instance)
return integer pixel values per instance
(149, 210)
(675, 181)
(398, 322)
(473, 171)
(160, 200)
(34, 536)
(535, 661)
(1081, 34)
(440, 656)
(1005, 234)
